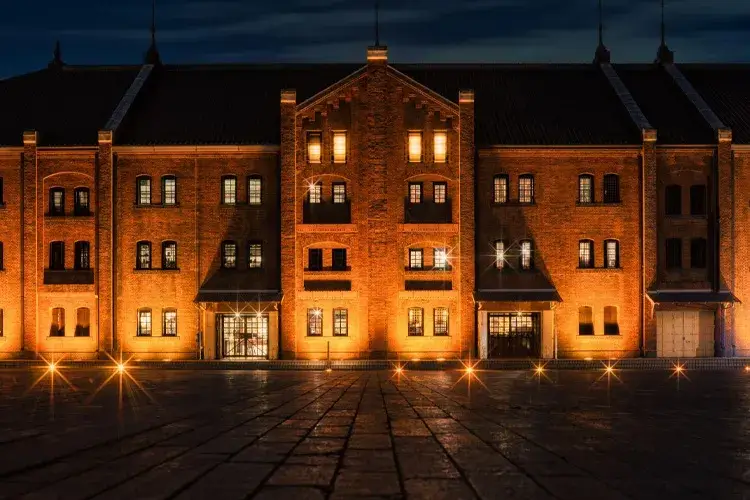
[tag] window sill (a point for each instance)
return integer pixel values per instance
(157, 269)
(166, 337)
(514, 203)
(599, 204)
(68, 216)
(600, 336)
(428, 269)
(157, 205)
(328, 269)
(69, 337)
(327, 337)
(598, 269)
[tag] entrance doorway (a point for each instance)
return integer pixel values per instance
(514, 335)
(684, 334)
(244, 336)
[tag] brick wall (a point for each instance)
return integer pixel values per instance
(10, 276)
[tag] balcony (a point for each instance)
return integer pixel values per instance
(428, 212)
(68, 276)
(327, 212)
(328, 285)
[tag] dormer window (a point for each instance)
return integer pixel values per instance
(415, 147)
(339, 147)
(314, 148)
(440, 147)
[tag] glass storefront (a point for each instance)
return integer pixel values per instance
(244, 336)
(514, 335)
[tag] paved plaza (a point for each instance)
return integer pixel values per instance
(316, 435)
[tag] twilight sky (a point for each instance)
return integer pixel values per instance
(198, 31)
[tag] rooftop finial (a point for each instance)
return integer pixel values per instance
(377, 23)
(57, 61)
(152, 55)
(602, 53)
(664, 55)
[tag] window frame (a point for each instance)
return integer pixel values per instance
(415, 328)
(255, 259)
(530, 191)
(606, 254)
(435, 157)
(139, 200)
(315, 264)
(676, 265)
(582, 179)
(78, 208)
(442, 332)
(435, 198)
(224, 254)
(609, 327)
(81, 248)
(164, 313)
(335, 196)
(500, 256)
(224, 191)
(339, 159)
(586, 329)
(417, 135)
(254, 195)
(314, 322)
(340, 329)
(586, 250)
(2, 323)
(416, 251)
(138, 261)
(415, 188)
(614, 183)
(437, 251)
(59, 326)
(499, 188)
(52, 210)
(164, 245)
(529, 264)
(55, 266)
(164, 200)
(308, 144)
(334, 266)
(82, 330)
(315, 188)
(144, 312)
(670, 204)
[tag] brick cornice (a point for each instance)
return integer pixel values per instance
(198, 150)
(568, 151)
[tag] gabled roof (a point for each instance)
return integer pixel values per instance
(675, 118)
(726, 89)
(66, 106)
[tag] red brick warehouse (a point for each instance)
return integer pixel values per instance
(381, 210)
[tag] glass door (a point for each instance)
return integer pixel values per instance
(244, 336)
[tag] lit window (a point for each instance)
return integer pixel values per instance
(83, 322)
(340, 322)
(415, 147)
(440, 190)
(144, 323)
(169, 327)
(440, 321)
(81, 201)
(339, 147)
(440, 256)
(229, 254)
(169, 190)
(526, 260)
(612, 254)
(415, 258)
(254, 255)
(313, 147)
(611, 188)
(315, 194)
(254, 191)
(585, 320)
(501, 189)
(526, 188)
(82, 251)
(229, 190)
(585, 189)
(57, 326)
(169, 255)
(57, 201)
(315, 322)
(440, 148)
(416, 321)
(499, 254)
(585, 254)
(611, 327)
(144, 191)
(143, 259)
(339, 192)
(415, 192)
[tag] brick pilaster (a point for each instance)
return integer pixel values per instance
(649, 254)
(30, 244)
(725, 220)
(466, 222)
(105, 287)
(289, 208)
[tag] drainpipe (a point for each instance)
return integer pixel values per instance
(642, 347)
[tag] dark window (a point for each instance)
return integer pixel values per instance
(315, 193)
(526, 188)
(1, 323)
(82, 251)
(83, 322)
(57, 201)
(339, 259)
(169, 323)
(611, 327)
(315, 259)
(527, 255)
(611, 254)
(416, 321)
(500, 189)
(585, 189)
(81, 201)
(674, 253)
(57, 325)
(254, 190)
(2, 200)
(439, 192)
(169, 190)
(229, 190)
(586, 254)
(169, 255)
(698, 199)
(254, 255)
(57, 255)
(229, 254)
(143, 191)
(585, 320)
(2, 261)
(611, 188)
(673, 200)
(315, 322)
(339, 192)
(416, 260)
(698, 253)
(415, 192)
(143, 256)
(144, 323)
(440, 321)
(340, 322)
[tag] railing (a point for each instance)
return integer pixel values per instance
(428, 212)
(326, 212)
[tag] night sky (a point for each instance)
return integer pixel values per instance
(194, 31)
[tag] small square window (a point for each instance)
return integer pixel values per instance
(314, 147)
(339, 147)
(440, 147)
(315, 259)
(415, 147)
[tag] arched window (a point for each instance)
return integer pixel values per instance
(83, 255)
(143, 255)
(143, 190)
(169, 255)
(585, 189)
(229, 190)
(526, 188)
(169, 190)
(82, 202)
(585, 320)
(254, 190)
(527, 255)
(144, 322)
(611, 254)
(500, 189)
(673, 200)
(499, 254)
(57, 201)
(611, 188)
(83, 322)
(698, 199)
(611, 327)
(229, 254)
(586, 254)
(57, 323)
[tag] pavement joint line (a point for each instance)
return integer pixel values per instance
(513, 431)
(118, 483)
(399, 471)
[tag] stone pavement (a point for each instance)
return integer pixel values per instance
(432, 435)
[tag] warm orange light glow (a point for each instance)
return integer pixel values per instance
(52, 367)
(328, 370)
(440, 148)
(120, 367)
(469, 370)
(747, 368)
(415, 359)
(339, 147)
(540, 369)
(678, 369)
(609, 369)
(415, 147)
(313, 148)
(399, 370)
(440, 360)
(588, 359)
(318, 312)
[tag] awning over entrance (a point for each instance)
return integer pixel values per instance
(698, 296)
(238, 296)
(550, 295)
